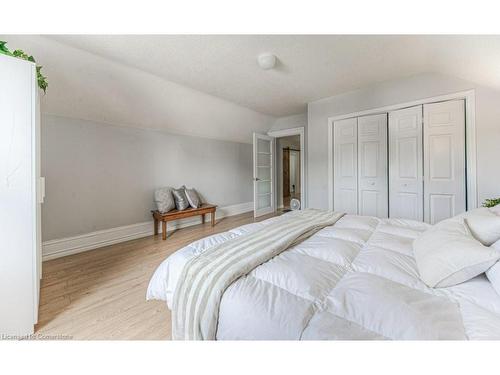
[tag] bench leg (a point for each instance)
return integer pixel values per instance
(164, 230)
(156, 226)
(212, 217)
(203, 218)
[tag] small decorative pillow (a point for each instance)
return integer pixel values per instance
(447, 254)
(193, 198)
(493, 274)
(164, 199)
(181, 201)
(484, 225)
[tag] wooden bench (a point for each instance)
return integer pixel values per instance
(176, 214)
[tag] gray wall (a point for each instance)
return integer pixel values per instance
(101, 176)
(400, 91)
(289, 122)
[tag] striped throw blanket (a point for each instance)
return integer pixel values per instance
(204, 278)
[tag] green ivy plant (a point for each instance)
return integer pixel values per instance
(42, 80)
(491, 202)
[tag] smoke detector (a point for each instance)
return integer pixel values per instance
(266, 61)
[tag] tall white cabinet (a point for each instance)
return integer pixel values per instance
(409, 163)
(20, 197)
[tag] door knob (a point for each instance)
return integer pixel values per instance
(256, 179)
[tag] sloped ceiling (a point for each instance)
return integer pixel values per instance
(310, 67)
(85, 86)
(177, 82)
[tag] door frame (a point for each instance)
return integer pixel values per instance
(300, 131)
(470, 137)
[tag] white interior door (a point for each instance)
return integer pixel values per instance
(263, 183)
(372, 166)
(345, 167)
(444, 160)
(405, 164)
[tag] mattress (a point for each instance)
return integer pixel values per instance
(354, 280)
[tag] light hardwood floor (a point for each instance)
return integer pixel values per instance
(100, 294)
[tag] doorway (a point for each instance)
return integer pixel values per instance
(269, 168)
(288, 172)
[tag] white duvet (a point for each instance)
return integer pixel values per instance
(355, 280)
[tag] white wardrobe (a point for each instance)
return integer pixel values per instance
(20, 197)
(409, 163)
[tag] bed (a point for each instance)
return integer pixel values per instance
(355, 279)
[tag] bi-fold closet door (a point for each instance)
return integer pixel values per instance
(360, 165)
(409, 163)
(427, 161)
(406, 187)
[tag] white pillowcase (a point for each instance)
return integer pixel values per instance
(447, 254)
(495, 209)
(493, 273)
(484, 225)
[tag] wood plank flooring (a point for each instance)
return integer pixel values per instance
(101, 294)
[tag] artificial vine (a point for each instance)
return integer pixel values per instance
(491, 202)
(42, 80)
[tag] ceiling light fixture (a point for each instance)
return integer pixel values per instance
(266, 61)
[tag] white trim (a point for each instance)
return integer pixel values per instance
(300, 131)
(470, 127)
(72, 245)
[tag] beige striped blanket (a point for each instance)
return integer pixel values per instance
(205, 278)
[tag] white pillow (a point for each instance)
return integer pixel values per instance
(484, 225)
(447, 254)
(495, 209)
(493, 273)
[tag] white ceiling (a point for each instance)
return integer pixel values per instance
(310, 67)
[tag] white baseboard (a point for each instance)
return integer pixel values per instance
(71, 245)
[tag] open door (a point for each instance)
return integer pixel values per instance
(263, 182)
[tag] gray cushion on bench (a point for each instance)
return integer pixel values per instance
(180, 198)
(164, 199)
(193, 198)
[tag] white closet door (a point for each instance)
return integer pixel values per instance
(345, 197)
(372, 165)
(444, 160)
(405, 164)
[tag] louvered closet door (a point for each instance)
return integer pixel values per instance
(444, 160)
(405, 164)
(372, 166)
(345, 198)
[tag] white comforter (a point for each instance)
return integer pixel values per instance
(354, 280)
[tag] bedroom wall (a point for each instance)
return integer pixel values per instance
(112, 133)
(290, 122)
(100, 176)
(86, 86)
(400, 91)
